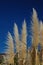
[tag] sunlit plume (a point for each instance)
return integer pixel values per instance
(19, 44)
(24, 39)
(35, 28)
(41, 33)
(10, 49)
(16, 37)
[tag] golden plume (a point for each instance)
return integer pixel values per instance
(41, 41)
(41, 33)
(35, 28)
(24, 40)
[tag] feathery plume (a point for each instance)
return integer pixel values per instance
(23, 41)
(10, 44)
(35, 28)
(41, 33)
(41, 41)
(24, 32)
(10, 49)
(16, 37)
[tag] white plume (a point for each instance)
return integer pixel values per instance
(10, 49)
(16, 37)
(24, 32)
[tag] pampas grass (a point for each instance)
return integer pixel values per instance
(24, 40)
(41, 34)
(10, 49)
(23, 55)
(35, 28)
(10, 43)
(41, 41)
(16, 37)
(35, 37)
(24, 33)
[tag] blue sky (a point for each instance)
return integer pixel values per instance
(16, 11)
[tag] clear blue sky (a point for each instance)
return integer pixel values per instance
(16, 11)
